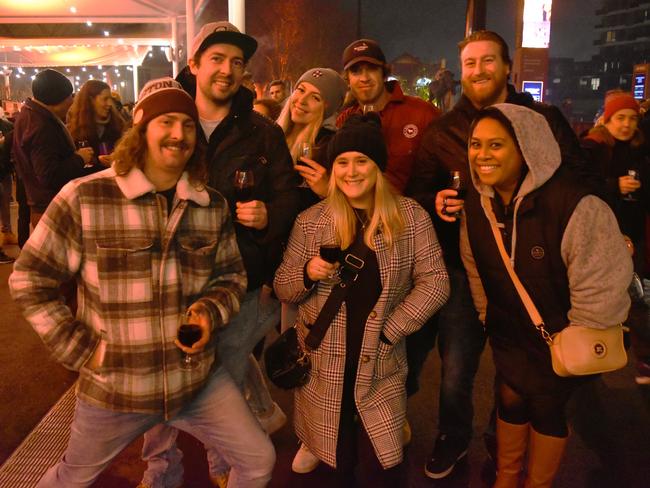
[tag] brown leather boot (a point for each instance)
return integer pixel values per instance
(544, 457)
(512, 440)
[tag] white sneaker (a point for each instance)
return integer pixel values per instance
(274, 421)
(304, 461)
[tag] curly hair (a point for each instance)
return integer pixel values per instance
(132, 148)
(81, 116)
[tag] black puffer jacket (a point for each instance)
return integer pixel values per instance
(44, 154)
(444, 149)
(246, 139)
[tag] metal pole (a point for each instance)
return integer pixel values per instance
(174, 49)
(189, 30)
(475, 17)
(135, 82)
(237, 14)
(358, 19)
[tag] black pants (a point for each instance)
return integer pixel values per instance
(354, 450)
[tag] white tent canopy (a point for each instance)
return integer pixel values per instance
(27, 16)
(27, 38)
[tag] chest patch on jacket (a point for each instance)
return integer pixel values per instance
(537, 252)
(410, 131)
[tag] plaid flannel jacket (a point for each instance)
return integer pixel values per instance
(137, 268)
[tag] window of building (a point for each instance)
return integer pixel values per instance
(611, 36)
(556, 81)
(595, 83)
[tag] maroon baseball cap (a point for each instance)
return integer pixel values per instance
(363, 50)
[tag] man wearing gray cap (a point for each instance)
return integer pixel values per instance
(44, 152)
(237, 139)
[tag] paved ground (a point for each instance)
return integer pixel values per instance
(610, 446)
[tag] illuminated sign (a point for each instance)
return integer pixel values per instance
(639, 86)
(537, 23)
(535, 88)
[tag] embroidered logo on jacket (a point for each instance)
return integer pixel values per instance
(537, 252)
(410, 131)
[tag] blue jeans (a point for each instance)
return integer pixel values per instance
(218, 417)
(461, 339)
(258, 313)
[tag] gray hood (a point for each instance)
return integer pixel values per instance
(538, 146)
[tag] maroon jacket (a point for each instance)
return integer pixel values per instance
(403, 121)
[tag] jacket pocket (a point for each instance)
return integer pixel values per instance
(386, 361)
(124, 273)
(197, 257)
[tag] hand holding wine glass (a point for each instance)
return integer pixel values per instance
(449, 202)
(193, 334)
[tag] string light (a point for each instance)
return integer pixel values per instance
(73, 9)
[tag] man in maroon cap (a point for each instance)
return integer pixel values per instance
(403, 118)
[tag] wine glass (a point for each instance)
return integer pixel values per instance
(244, 182)
(458, 184)
(330, 251)
(630, 197)
(305, 150)
(188, 334)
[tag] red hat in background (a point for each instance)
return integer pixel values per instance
(618, 100)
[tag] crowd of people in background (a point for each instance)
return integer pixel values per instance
(205, 206)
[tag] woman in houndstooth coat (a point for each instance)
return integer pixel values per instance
(353, 407)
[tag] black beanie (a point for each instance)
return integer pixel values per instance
(51, 87)
(360, 133)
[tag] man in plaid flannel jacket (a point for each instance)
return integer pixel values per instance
(146, 241)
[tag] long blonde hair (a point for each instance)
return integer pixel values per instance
(384, 214)
(295, 136)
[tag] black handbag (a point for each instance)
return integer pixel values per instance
(287, 363)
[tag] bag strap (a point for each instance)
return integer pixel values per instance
(534, 314)
(352, 264)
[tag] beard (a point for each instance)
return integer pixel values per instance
(484, 96)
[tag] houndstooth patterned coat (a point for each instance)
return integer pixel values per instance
(414, 286)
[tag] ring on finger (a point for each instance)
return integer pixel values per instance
(444, 202)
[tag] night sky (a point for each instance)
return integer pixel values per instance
(430, 29)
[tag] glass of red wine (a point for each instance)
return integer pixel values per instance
(332, 254)
(188, 334)
(244, 185)
(458, 184)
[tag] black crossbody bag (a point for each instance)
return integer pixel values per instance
(287, 363)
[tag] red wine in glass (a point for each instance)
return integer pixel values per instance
(330, 252)
(244, 185)
(188, 334)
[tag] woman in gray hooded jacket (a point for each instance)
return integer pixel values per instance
(567, 250)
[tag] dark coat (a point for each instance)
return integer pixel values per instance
(444, 149)
(6, 167)
(44, 154)
(246, 139)
(613, 161)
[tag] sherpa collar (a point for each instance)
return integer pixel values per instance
(134, 184)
